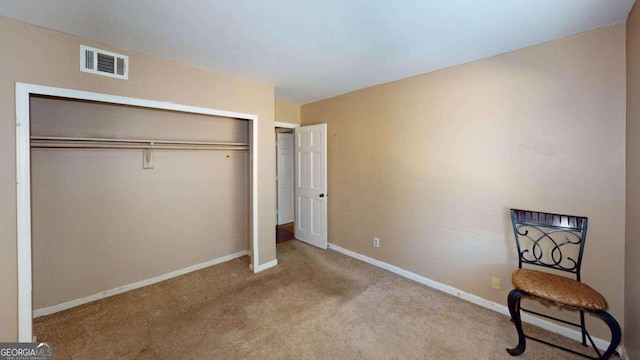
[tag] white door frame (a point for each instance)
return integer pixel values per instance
(23, 179)
(285, 125)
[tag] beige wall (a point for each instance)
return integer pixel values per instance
(632, 250)
(431, 164)
(287, 112)
(100, 221)
(34, 55)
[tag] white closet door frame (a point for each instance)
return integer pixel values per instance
(23, 179)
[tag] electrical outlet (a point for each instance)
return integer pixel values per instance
(376, 242)
(495, 282)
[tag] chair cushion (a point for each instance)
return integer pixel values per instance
(558, 289)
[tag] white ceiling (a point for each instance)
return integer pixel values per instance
(315, 49)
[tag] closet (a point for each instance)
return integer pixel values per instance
(121, 194)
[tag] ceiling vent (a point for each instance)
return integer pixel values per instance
(102, 62)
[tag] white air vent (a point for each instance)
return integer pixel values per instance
(104, 62)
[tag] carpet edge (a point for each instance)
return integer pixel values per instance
(122, 289)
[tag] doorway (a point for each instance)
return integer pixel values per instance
(284, 176)
(309, 183)
(284, 133)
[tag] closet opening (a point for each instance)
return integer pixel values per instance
(116, 193)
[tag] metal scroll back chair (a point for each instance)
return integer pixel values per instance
(555, 242)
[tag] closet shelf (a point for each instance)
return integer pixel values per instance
(52, 142)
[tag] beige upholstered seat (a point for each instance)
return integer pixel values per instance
(558, 289)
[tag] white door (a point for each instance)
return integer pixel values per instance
(285, 177)
(311, 184)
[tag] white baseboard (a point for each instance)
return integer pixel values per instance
(623, 354)
(265, 266)
(547, 325)
(119, 290)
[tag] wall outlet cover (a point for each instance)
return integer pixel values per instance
(495, 282)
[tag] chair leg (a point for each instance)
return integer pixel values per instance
(615, 332)
(583, 328)
(513, 301)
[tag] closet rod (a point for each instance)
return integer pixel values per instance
(79, 139)
(135, 147)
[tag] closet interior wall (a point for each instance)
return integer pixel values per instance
(100, 221)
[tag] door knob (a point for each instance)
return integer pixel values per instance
(321, 195)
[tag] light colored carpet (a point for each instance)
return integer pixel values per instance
(314, 305)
